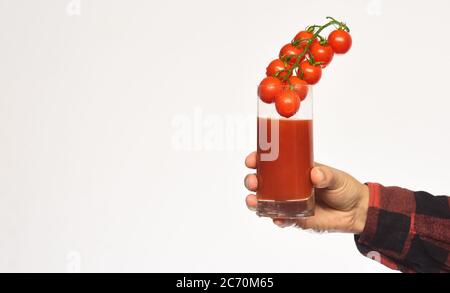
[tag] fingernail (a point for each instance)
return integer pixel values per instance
(282, 223)
(279, 224)
(320, 174)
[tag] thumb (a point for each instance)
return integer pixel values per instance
(326, 177)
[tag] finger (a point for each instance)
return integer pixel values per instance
(251, 182)
(322, 220)
(250, 161)
(283, 223)
(303, 223)
(326, 177)
(251, 202)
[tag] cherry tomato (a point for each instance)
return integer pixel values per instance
(287, 103)
(278, 66)
(321, 53)
(340, 41)
(309, 73)
(303, 36)
(299, 86)
(269, 88)
(289, 52)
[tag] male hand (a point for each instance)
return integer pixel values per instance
(341, 200)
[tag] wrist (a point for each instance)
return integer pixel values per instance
(361, 210)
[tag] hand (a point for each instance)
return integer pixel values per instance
(341, 200)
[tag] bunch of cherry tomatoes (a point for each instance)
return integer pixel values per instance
(306, 55)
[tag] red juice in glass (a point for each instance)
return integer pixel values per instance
(284, 162)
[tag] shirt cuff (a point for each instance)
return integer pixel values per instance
(370, 227)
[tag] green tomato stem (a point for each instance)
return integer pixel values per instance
(310, 41)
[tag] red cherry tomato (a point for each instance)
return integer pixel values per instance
(287, 103)
(321, 53)
(269, 88)
(299, 86)
(340, 41)
(302, 38)
(309, 73)
(289, 53)
(278, 69)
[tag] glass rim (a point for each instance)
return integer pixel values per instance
(286, 85)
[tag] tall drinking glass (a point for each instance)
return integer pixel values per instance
(284, 161)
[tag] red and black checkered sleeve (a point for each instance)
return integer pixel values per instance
(406, 230)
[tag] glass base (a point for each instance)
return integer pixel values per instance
(290, 209)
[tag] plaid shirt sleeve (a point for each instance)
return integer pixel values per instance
(406, 230)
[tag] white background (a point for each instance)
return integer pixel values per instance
(93, 177)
